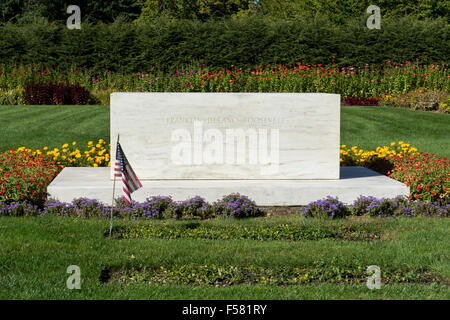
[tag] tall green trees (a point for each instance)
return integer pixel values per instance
(194, 9)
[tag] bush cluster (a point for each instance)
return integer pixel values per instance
(325, 208)
(237, 206)
(55, 93)
(355, 101)
(421, 99)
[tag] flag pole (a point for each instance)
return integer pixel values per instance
(113, 194)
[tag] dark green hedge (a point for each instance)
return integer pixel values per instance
(127, 47)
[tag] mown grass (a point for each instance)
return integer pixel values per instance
(366, 127)
(52, 126)
(36, 252)
(370, 127)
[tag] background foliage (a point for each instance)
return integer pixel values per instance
(55, 10)
(107, 11)
(340, 11)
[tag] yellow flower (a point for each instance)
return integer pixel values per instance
(65, 145)
(74, 143)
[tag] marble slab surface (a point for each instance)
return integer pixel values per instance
(217, 136)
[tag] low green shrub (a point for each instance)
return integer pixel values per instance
(101, 97)
(228, 275)
(444, 105)
(11, 97)
(285, 232)
(421, 99)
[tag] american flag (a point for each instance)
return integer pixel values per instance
(123, 169)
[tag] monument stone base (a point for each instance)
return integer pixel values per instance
(95, 183)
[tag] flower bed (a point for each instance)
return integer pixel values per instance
(369, 83)
(156, 207)
(373, 207)
(239, 206)
(426, 174)
(93, 155)
(24, 177)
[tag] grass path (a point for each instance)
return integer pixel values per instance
(367, 127)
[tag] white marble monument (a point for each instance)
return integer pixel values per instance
(237, 136)
(277, 148)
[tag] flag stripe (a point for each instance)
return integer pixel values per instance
(133, 176)
(130, 182)
(132, 186)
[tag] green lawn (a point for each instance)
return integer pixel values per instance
(52, 126)
(35, 253)
(367, 127)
